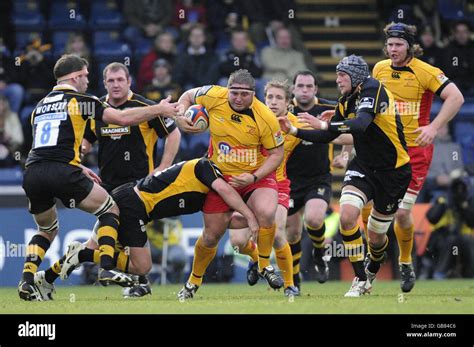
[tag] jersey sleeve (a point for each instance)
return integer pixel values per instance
(210, 96)
(93, 108)
(207, 172)
(89, 133)
(162, 126)
(434, 79)
(271, 135)
(370, 100)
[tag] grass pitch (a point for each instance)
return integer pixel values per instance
(433, 297)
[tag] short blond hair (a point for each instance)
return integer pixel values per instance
(281, 85)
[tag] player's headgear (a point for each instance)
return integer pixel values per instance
(401, 31)
(355, 67)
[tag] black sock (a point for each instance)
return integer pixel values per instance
(35, 252)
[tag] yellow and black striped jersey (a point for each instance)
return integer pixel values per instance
(59, 121)
(382, 145)
(178, 190)
(127, 153)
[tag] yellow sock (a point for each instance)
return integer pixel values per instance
(296, 254)
(405, 242)
(266, 236)
(122, 260)
(251, 250)
(353, 243)
(365, 219)
(202, 257)
(285, 264)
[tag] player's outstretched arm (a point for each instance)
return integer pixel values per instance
(137, 115)
(233, 199)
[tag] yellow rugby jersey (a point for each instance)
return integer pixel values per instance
(413, 87)
(238, 138)
(290, 143)
(178, 190)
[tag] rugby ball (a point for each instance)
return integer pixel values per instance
(198, 115)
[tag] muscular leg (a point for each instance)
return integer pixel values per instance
(263, 203)
(100, 203)
(293, 234)
(352, 200)
(215, 225)
(39, 244)
(282, 248)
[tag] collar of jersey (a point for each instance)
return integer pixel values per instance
(64, 86)
(247, 111)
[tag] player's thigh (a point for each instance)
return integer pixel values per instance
(263, 202)
(314, 212)
(215, 225)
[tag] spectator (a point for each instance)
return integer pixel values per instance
(146, 17)
(77, 45)
(426, 12)
(187, 14)
(164, 48)
(13, 91)
(447, 158)
(239, 56)
(197, 65)
(432, 53)
(162, 85)
(282, 62)
(11, 134)
(459, 58)
(36, 71)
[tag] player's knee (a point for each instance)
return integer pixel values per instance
(237, 239)
(109, 206)
(209, 238)
(266, 216)
(403, 216)
(314, 220)
(348, 219)
(293, 235)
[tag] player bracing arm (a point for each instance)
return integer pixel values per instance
(453, 100)
(137, 115)
(170, 150)
(273, 160)
(233, 199)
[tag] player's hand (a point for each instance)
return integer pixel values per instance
(241, 180)
(253, 226)
(186, 125)
(314, 122)
(91, 175)
(285, 124)
(427, 135)
(326, 116)
(181, 110)
(340, 161)
(168, 109)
